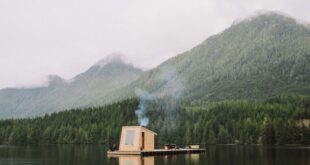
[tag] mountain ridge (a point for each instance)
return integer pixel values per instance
(261, 57)
(249, 48)
(60, 94)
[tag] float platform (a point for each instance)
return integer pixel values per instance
(157, 152)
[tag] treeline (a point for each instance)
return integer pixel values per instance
(279, 120)
(90, 125)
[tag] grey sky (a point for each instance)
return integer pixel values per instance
(65, 37)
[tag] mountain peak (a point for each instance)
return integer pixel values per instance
(54, 80)
(269, 16)
(113, 63)
(112, 58)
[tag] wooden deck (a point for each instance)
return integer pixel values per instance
(157, 152)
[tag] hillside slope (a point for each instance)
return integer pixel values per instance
(91, 88)
(263, 56)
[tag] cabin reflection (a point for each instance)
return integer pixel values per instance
(194, 158)
(150, 160)
(134, 160)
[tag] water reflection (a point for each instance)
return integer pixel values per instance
(97, 154)
(151, 160)
(132, 160)
(194, 158)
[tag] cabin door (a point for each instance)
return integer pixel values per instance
(142, 141)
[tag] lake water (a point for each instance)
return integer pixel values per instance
(96, 154)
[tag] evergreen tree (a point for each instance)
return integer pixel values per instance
(268, 134)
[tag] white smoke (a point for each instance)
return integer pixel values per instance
(140, 112)
(169, 85)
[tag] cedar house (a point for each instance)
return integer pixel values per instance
(137, 138)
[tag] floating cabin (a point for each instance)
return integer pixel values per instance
(137, 140)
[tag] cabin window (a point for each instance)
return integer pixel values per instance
(129, 137)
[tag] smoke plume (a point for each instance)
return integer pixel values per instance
(141, 111)
(168, 85)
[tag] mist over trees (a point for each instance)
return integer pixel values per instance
(265, 56)
(246, 85)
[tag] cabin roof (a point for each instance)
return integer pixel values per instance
(140, 127)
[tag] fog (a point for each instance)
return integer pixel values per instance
(65, 37)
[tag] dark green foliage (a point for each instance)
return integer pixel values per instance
(90, 125)
(277, 120)
(268, 134)
(261, 57)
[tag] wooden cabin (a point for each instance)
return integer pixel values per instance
(136, 138)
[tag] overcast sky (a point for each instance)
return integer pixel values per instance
(65, 37)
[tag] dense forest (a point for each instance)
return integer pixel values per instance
(265, 56)
(279, 120)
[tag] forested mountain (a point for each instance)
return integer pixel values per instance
(262, 56)
(250, 84)
(279, 120)
(91, 88)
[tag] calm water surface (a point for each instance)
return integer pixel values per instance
(96, 154)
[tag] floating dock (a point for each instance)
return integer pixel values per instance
(157, 152)
(138, 140)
